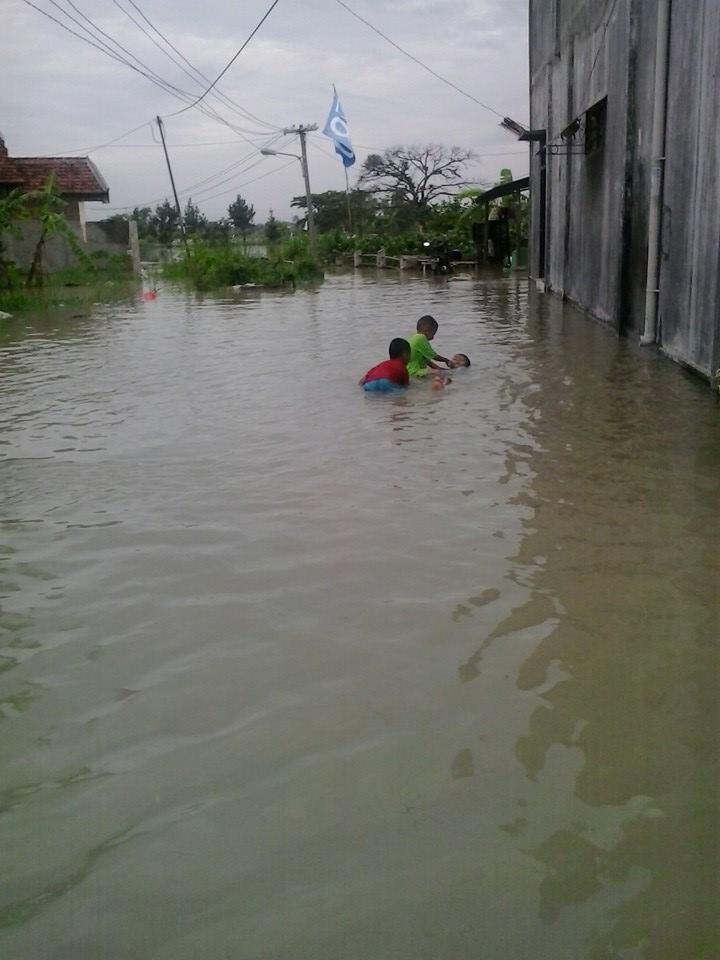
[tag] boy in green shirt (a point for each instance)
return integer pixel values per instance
(422, 355)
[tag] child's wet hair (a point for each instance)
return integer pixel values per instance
(398, 348)
(427, 324)
(465, 357)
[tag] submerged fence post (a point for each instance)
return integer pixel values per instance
(357, 258)
(380, 258)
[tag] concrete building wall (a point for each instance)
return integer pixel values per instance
(597, 206)
(111, 238)
(689, 289)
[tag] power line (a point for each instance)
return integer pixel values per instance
(101, 146)
(185, 95)
(365, 146)
(152, 146)
(223, 99)
(211, 181)
(108, 51)
(247, 183)
(143, 70)
(420, 63)
(107, 48)
(222, 193)
(231, 62)
(243, 111)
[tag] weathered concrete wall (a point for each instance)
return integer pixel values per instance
(689, 289)
(572, 70)
(111, 238)
(597, 206)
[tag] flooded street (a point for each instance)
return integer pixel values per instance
(291, 672)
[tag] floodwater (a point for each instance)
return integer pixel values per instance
(294, 673)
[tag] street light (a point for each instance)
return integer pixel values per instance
(269, 152)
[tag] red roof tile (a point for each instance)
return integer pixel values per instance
(9, 172)
(75, 177)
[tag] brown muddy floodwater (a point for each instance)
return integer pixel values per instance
(294, 673)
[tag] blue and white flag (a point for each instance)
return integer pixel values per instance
(337, 129)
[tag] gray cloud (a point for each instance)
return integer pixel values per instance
(59, 94)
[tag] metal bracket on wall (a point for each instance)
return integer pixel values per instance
(565, 149)
(573, 140)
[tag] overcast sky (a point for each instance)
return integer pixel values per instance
(61, 96)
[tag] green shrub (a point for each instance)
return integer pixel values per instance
(212, 266)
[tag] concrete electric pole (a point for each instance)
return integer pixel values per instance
(302, 130)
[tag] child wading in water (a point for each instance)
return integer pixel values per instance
(390, 376)
(422, 355)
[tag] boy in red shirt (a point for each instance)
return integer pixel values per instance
(391, 375)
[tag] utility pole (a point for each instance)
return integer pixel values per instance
(172, 182)
(301, 130)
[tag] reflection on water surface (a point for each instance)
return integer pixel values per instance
(287, 671)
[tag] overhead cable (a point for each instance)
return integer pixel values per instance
(143, 70)
(230, 62)
(247, 183)
(419, 62)
(228, 101)
(184, 94)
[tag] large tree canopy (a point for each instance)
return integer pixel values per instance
(416, 175)
(331, 206)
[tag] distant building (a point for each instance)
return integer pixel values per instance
(594, 94)
(77, 179)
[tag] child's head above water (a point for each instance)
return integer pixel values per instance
(427, 325)
(459, 360)
(399, 350)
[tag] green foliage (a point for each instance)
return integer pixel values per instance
(217, 231)
(213, 266)
(48, 207)
(101, 270)
(195, 221)
(273, 230)
(241, 215)
(145, 219)
(166, 224)
(331, 209)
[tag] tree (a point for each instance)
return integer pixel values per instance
(416, 175)
(47, 206)
(165, 222)
(330, 209)
(241, 215)
(144, 218)
(272, 229)
(195, 222)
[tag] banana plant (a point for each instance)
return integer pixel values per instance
(47, 206)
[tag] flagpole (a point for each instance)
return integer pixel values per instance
(347, 197)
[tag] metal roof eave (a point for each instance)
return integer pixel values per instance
(504, 190)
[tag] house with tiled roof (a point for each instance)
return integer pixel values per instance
(77, 179)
